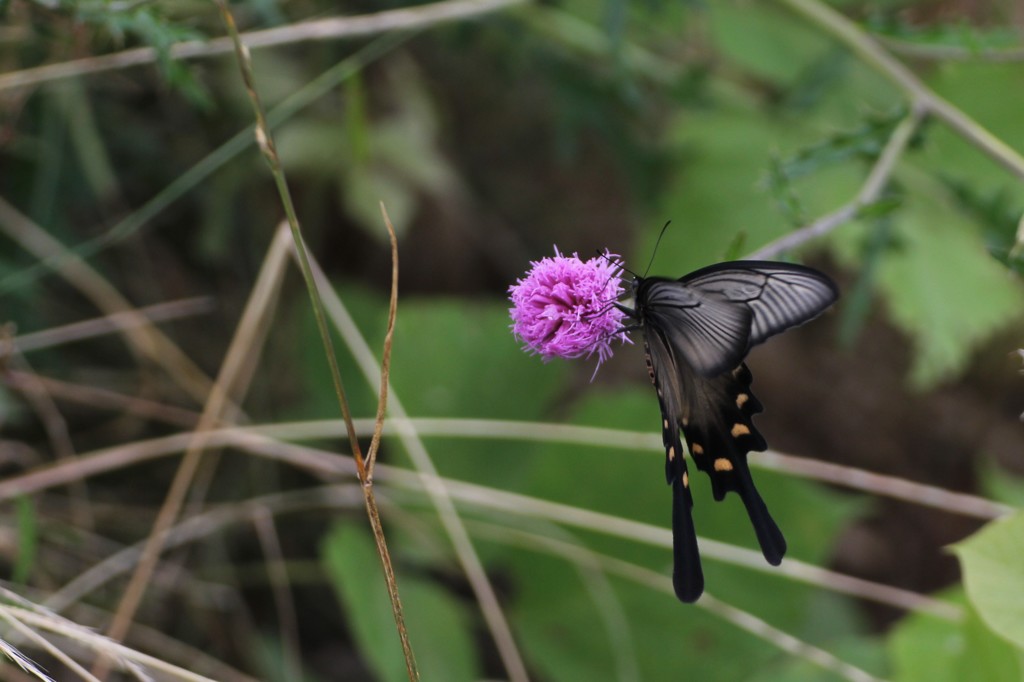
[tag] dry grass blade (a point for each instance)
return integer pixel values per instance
(23, 661)
(47, 646)
(87, 329)
(330, 28)
(805, 467)
(245, 347)
(331, 465)
(129, 658)
(143, 338)
(584, 556)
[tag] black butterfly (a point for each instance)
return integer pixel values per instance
(697, 332)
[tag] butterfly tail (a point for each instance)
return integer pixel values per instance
(773, 544)
(687, 575)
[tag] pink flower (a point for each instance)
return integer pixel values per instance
(564, 307)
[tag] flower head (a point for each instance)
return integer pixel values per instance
(563, 307)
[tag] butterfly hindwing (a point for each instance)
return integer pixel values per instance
(687, 575)
(720, 431)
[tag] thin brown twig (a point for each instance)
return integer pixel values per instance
(462, 543)
(385, 366)
(366, 474)
(265, 141)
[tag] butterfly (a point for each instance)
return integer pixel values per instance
(697, 332)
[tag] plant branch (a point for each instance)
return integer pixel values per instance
(473, 568)
(331, 465)
(872, 53)
(869, 192)
(265, 140)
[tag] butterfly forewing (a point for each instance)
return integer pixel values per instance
(698, 330)
(709, 333)
(779, 295)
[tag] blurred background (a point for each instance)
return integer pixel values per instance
(492, 132)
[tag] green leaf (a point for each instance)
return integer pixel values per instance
(765, 41)
(924, 648)
(438, 624)
(999, 484)
(993, 566)
(942, 288)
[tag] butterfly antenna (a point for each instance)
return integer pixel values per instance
(656, 244)
(619, 265)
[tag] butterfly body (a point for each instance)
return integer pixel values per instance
(697, 332)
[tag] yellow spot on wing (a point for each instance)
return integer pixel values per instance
(739, 430)
(722, 464)
(671, 453)
(697, 449)
(741, 399)
(686, 480)
(664, 423)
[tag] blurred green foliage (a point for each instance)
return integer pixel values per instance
(586, 124)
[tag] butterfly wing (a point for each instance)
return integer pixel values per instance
(687, 575)
(778, 295)
(714, 315)
(708, 332)
(704, 324)
(718, 425)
